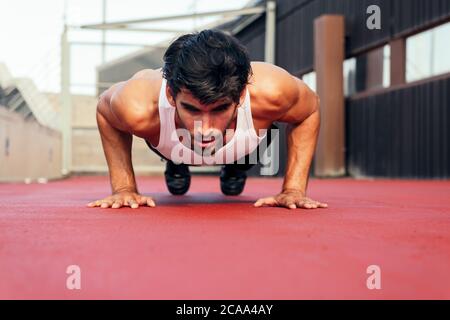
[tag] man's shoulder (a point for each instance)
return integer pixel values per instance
(143, 84)
(147, 74)
(143, 79)
(272, 88)
(135, 101)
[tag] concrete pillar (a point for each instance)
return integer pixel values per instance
(66, 108)
(271, 23)
(329, 37)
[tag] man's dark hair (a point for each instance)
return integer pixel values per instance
(210, 64)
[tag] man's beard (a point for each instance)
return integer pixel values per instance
(209, 150)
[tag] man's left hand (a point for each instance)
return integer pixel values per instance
(291, 199)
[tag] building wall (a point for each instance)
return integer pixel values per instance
(87, 150)
(294, 36)
(294, 52)
(396, 133)
(27, 149)
(400, 133)
(124, 68)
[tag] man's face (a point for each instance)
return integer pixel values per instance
(204, 122)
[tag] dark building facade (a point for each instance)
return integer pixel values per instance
(398, 128)
(396, 79)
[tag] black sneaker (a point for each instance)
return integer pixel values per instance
(178, 178)
(232, 180)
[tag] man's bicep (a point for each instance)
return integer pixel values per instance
(130, 107)
(109, 108)
(310, 98)
(305, 104)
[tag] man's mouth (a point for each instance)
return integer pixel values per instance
(204, 143)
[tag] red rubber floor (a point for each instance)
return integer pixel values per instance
(207, 246)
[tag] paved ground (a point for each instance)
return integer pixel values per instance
(208, 246)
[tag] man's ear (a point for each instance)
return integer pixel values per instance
(170, 97)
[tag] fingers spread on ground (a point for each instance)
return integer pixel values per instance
(105, 204)
(270, 201)
(142, 201)
(289, 202)
(133, 204)
(300, 203)
(291, 205)
(323, 205)
(311, 205)
(150, 202)
(116, 205)
(258, 203)
(314, 204)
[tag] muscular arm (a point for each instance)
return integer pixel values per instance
(299, 108)
(303, 120)
(116, 142)
(118, 119)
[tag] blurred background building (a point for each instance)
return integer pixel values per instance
(381, 68)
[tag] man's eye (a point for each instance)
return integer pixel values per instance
(192, 110)
(221, 109)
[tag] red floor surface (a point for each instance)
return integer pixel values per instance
(207, 246)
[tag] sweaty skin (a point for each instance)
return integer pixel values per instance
(131, 108)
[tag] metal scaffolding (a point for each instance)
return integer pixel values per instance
(254, 12)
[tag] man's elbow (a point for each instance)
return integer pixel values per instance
(101, 108)
(316, 103)
(105, 116)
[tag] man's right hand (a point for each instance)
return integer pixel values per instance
(123, 199)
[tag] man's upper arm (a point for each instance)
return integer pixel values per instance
(104, 108)
(303, 101)
(123, 106)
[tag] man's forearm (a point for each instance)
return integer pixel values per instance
(301, 144)
(117, 148)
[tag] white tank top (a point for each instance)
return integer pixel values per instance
(244, 141)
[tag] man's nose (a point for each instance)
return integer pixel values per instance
(206, 126)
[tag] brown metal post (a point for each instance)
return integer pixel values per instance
(329, 33)
(398, 61)
(375, 61)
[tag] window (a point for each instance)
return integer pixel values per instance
(427, 53)
(367, 71)
(386, 66)
(372, 70)
(364, 72)
(349, 76)
(310, 80)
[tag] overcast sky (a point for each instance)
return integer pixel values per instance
(30, 33)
